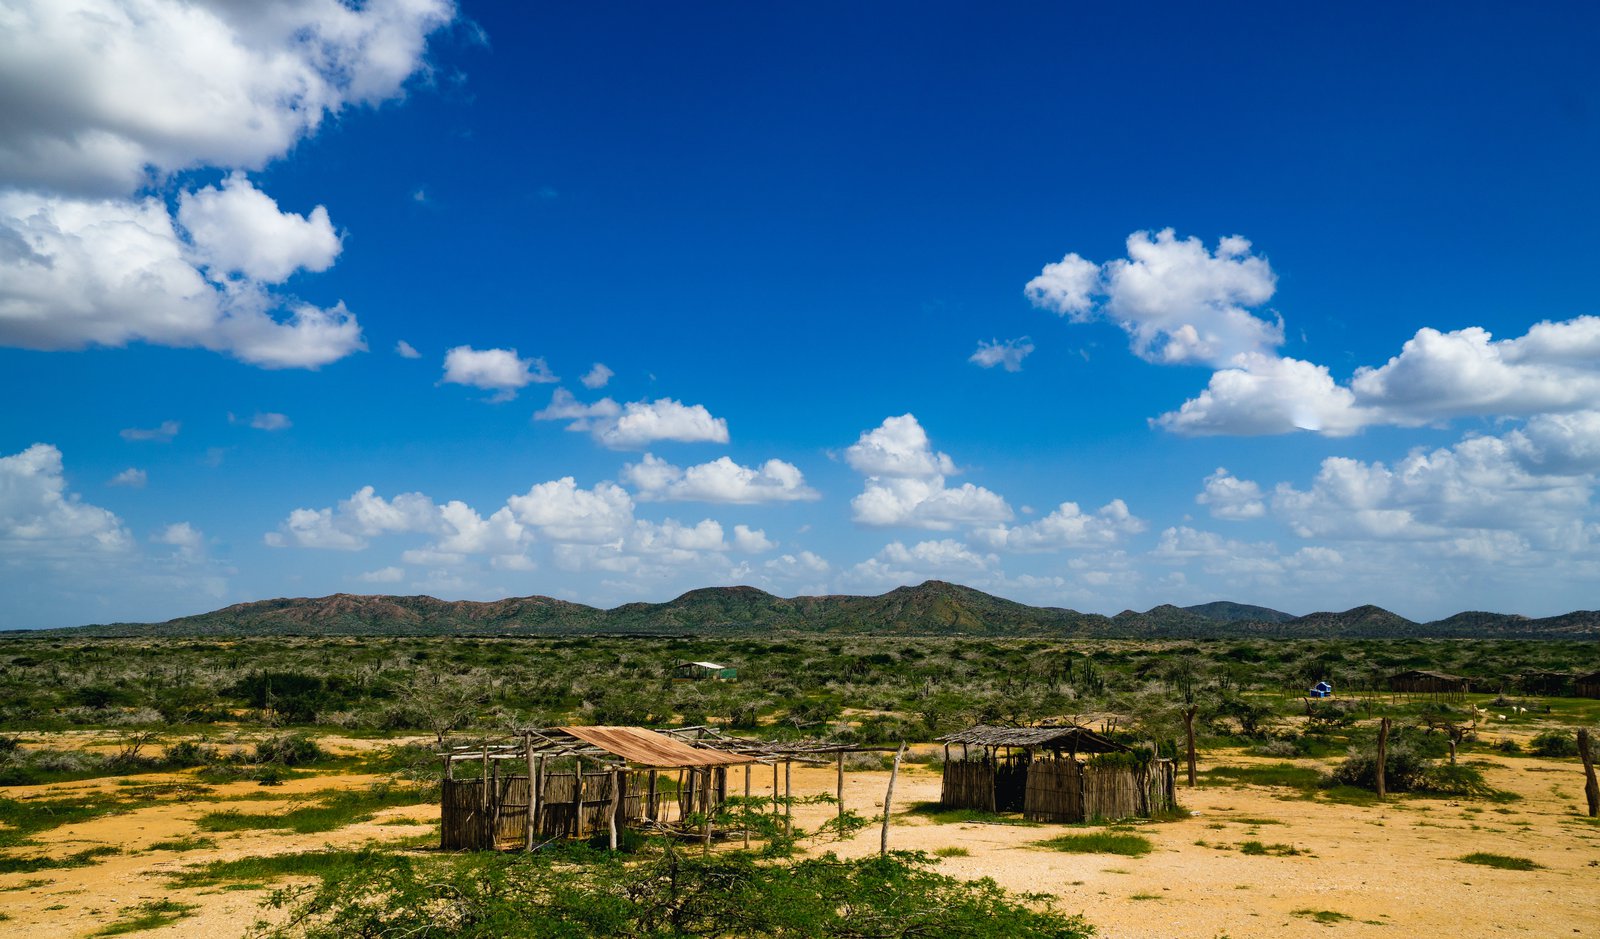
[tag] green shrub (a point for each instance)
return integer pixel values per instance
(1554, 743)
(585, 893)
(289, 750)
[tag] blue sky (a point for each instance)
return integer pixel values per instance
(1291, 307)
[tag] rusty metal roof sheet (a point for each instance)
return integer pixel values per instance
(647, 748)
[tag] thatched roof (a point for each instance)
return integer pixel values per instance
(1061, 737)
(1424, 673)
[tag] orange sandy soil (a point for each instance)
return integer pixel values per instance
(1392, 868)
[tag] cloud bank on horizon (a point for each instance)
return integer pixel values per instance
(1454, 467)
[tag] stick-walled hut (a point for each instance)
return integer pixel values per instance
(1053, 774)
(1420, 681)
(1587, 686)
(609, 778)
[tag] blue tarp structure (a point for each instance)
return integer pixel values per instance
(1321, 690)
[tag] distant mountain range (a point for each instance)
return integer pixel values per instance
(934, 608)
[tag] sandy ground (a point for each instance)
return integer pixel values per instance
(1390, 868)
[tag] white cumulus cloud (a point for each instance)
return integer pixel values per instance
(563, 511)
(1066, 527)
(905, 482)
(111, 111)
(1232, 498)
(499, 370)
(239, 229)
(110, 99)
(597, 376)
(636, 424)
(40, 518)
(1178, 301)
(720, 480)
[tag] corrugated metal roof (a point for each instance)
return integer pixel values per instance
(710, 665)
(647, 748)
(1072, 737)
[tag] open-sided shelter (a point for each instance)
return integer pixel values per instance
(608, 778)
(576, 781)
(1052, 774)
(703, 671)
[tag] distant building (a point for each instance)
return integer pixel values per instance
(703, 671)
(1588, 686)
(1544, 683)
(1420, 681)
(1321, 690)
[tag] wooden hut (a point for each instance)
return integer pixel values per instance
(577, 781)
(608, 778)
(703, 671)
(1053, 774)
(1420, 681)
(1587, 686)
(1545, 684)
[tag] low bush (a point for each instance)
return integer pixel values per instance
(1101, 842)
(668, 894)
(1554, 743)
(289, 750)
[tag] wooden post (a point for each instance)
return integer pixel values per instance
(577, 797)
(449, 767)
(616, 806)
(498, 808)
(705, 825)
(839, 794)
(747, 805)
(533, 797)
(650, 797)
(1188, 733)
(888, 800)
(1383, 757)
(536, 796)
(788, 800)
(485, 837)
(1591, 788)
(774, 787)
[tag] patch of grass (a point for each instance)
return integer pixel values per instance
(1258, 849)
(939, 815)
(148, 915)
(256, 871)
(1144, 896)
(1285, 775)
(1246, 820)
(1100, 842)
(28, 884)
(24, 818)
(336, 811)
(951, 852)
(1504, 862)
(1350, 795)
(39, 862)
(1326, 917)
(183, 844)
